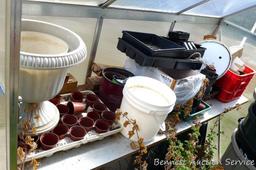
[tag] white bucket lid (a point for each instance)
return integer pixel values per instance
(217, 54)
(149, 94)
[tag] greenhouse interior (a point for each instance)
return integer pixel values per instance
(128, 84)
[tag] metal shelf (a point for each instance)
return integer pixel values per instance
(97, 154)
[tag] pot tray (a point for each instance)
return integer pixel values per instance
(66, 143)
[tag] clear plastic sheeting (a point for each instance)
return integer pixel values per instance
(188, 87)
(171, 6)
(221, 8)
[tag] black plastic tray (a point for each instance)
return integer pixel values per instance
(153, 45)
(188, 53)
(161, 62)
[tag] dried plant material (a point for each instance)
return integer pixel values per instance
(130, 134)
(37, 117)
(134, 145)
(118, 114)
(139, 161)
(126, 123)
(21, 154)
(26, 126)
(30, 141)
(33, 130)
(35, 164)
(135, 127)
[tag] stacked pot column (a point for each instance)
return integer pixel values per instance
(242, 147)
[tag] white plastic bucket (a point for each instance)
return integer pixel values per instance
(148, 101)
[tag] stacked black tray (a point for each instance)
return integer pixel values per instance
(155, 51)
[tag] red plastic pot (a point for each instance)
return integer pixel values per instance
(99, 107)
(91, 99)
(48, 140)
(63, 109)
(93, 115)
(77, 133)
(109, 116)
(101, 126)
(69, 120)
(61, 130)
(55, 100)
(76, 107)
(87, 123)
(77, 96)
(111, 92)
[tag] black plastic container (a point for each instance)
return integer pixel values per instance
(153, 45)
(249, 125)
(161, 62)
(211, 75)
(178, 36)
(245, 144)
(192, 53)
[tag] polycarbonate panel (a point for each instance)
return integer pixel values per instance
(172, 6)
(220, 8)
(239, 19)
(79, 2)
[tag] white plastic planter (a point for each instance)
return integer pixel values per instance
(42, 75)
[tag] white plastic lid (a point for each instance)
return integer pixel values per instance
(149, 94)
(217, 54)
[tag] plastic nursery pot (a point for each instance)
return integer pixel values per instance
(69, 120)
(109, 116)
(87, 123)
(63, 109)
(77, 96)
(55, 100)
(60, 130)
(48, 140)
(76, 107)
(90, 99)
(110, 90)
(101, 126)
(77, 133)
(99, 107)
(93, 115)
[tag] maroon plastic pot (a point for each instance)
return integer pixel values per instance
(87, 123)
(63, 109)
(60, 130)
(48, 140)
(77, 96)
(91, 99)
(99, 107)
(101, 126)
(93, 115)
(77, 133)
(111, 91)
(109, 116)
(69, 120)
(76, 107)
(55, 100)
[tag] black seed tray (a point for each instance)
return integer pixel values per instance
(153, 45)
(161, 62)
